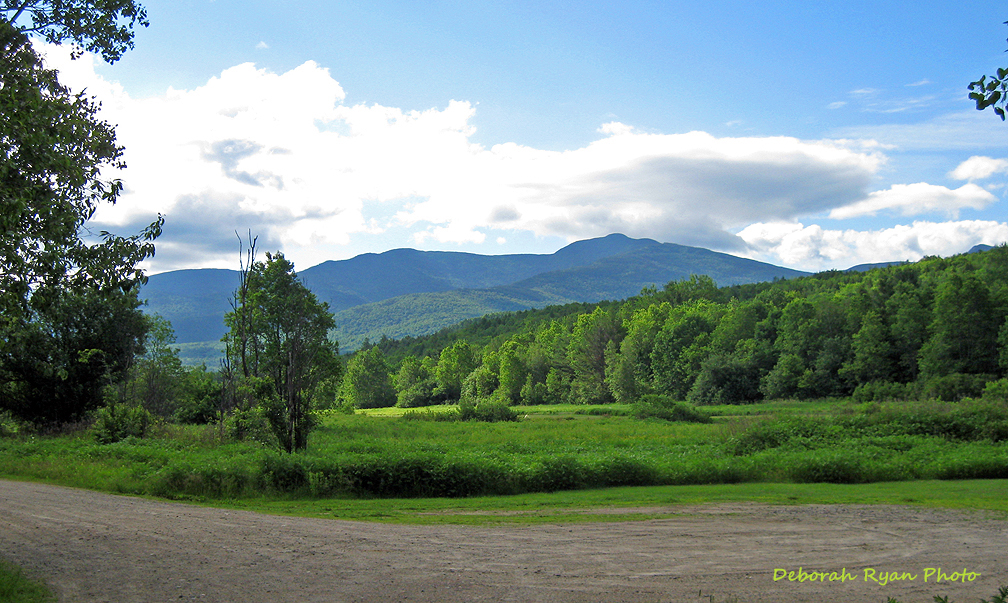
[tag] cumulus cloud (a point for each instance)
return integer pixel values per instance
(281, 154)
(917, 199)
(978, 168)
(815, 248)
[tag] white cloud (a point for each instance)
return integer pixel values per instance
(836, 105)
(262, 46)
(281, 154)
(814, 248)
(615, 127)
(916, 199)
(978, 168)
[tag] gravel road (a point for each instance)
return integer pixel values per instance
(94, 547)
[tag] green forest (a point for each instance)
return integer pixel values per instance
(934, 329)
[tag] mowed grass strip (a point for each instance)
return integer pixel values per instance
(631, 503)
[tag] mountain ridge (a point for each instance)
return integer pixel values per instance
(422, 291)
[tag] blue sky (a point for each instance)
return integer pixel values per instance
(813, 135)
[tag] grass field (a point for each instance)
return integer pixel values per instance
(557, 463)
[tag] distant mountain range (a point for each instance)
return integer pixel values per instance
(408, 292)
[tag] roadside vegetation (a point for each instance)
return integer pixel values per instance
(15, 587)
(396, 453)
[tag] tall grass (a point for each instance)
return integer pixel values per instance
(367, 456)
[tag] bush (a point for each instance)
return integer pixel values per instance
(200, 397)
(955, 387)
(725, 380)
(10, 426)
(884, 391)
(656, 406)
(996, 391)
(833, 467)
(117, 422)
(490, 410)
(284, 473)
(774, 434)
(249, 425)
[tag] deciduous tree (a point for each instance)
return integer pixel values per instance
(288, 330)
(367, 382)
(56, 163)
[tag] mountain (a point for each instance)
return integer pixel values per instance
(348, 283)
(867, 267)
(410, 292)
(614, 277)
(195, 301)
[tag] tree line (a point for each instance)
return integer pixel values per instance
(933, 329)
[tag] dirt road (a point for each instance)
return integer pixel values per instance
(94, 547)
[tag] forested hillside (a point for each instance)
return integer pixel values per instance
(934, 329)
(405, 292)
(609, 278)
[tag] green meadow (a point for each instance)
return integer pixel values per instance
(557, 463)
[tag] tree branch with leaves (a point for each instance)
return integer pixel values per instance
(103, 27)
(991, 91)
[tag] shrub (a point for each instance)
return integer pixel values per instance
(955, 387)
(834, 467)
(725, 380)
(996, 391)
(117, 422)
(10, 425)
(284, 473)
(249, 425)
(200, 396)
(490, 410)
(656, 406)
(774, 434)
(558, 473)
(884, 391)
